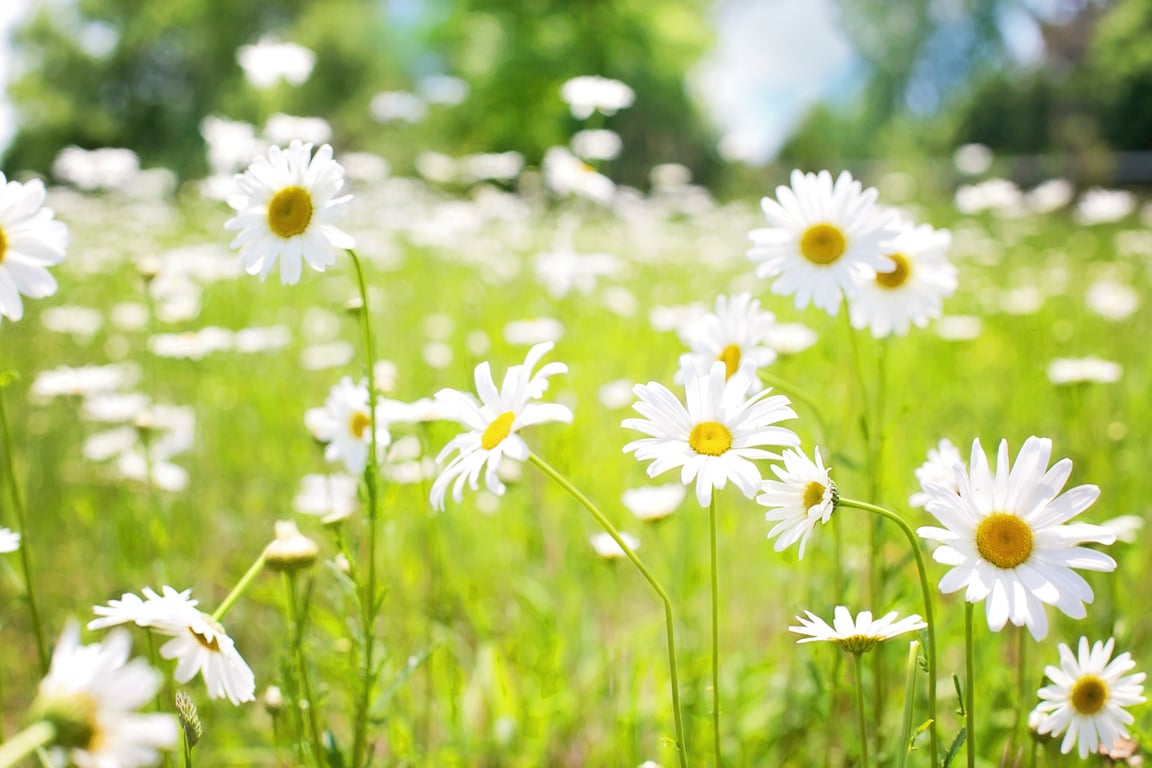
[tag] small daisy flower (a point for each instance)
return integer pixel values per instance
(938, 469)
(716, 436)
(30, 240)
(493, 422)
(654, 502)
(9, 541)
(738, 330)
(345, 424)
(858, 635)
(91, 695)
(823, 239)
(286, 209)
(913, 292)
(1005, 539)
(803, 496)
(606, 547)
(199, 643)
(1087, 697)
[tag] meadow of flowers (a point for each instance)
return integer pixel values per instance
(314, 465)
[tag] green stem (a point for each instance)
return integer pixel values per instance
(543, 466)
(858, 668)
(238, 590)
(296, 626)
(1023, 694)
(187, 751)
(21, 519)
(910, 672)
(26, 742)
(929, 617)
(969, 686)
(797, 393)
(371, 480)
(715, 629)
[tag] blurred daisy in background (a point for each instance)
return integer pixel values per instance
(588, 94)
(285, 211)
(30, 240)
(606, 547)
(803, 496)
(654, 502)
(738, 330)
(345, 422)
(329, 497)
(9, 541)
(938, 469)
(269, 62)
(823, 239)
(1087, 696)
(858, 635)
(1083, 370)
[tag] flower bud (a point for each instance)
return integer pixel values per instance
(291, 550)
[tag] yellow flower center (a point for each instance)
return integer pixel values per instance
(290, 212)
(1089, 695)
(3, 244)
(211, 643)
(710, 438)
(497, 430)
(731, 358)
(813, 494)
(1004, 540)
(823, 244)
(358, 423)
(898, 276)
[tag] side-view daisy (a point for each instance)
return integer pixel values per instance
(858, 635)
(493, 423)
(823, 239)
(939, 469)
(30, 240)
(92, 694)
(285, 210)
(803, 497)
(736, 331)
(911, 293)
(716, 436)
(199, 643)
(1087, 697)
(345, 424)
(1005, 539)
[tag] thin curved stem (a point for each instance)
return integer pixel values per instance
(543, 466)
(857, 666)
(910, 672)
(22, 521)
(929, 614)
(969, 686)
(715, 628)
(238, 590)
(296, 623)
(26, 742)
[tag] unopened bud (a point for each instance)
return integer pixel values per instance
(189, 718)
(291, 550)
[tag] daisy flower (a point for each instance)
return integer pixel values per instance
(286, 209)
(329, 497)
(937, 469)
(858, 635)
(1087, 697)
(911, 293)
(738, 330)
(1005, 539)
(199, 643)
(91, 695)
(803, 496)
(715, 437)
(345, 424)
(823, 239)
(9, 540)
(30, 240)
(493, 422)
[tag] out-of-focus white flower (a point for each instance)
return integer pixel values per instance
(329, 497)
(534, 331)
(1100, 206)
(1112, 300)
(972, 159)
(737, 330)
(345, 424)
(436, 167)
(270, 61)
(615, 394)
(561, 271)
(94, 169)
(1126, 527)
(606, 547)
(1081, 370)
(9, 541)
(402, 106)
(491, 166)
(333, 354)
(938, 469)
(232, 144)
(283, 129)
(191, 345)
(85, 380)
(443, 89)
(82, 323)
(791, 338)
(590, 93)
(1050, 196)
(600, 144)
(958, 327)
(653, 502)
(565, 174)
(667, 177)
(998, 195)
(1022, 300)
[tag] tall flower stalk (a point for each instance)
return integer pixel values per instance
(715, 628)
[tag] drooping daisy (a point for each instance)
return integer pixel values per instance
(823, 239)
(1005, 539)
(493, 422)
(716, 436)
(1087, 697)
(91, 695)
(911, 293)
(286, 209)
(30, 240)
(199, 643)
(803, 496)
(737, 331)
(938, 469)
(345, 424)
(858, 635)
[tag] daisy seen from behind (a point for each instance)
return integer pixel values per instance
(1087, 696)
(824, 238)
(494, 421)
(1006, 540)
(344, 424)
(30, 240)
(803, 497)
(911, 293)
(855, 635)
(199, 643)
(716, 435)
(286, 209)
(736, 331)
(91, 695)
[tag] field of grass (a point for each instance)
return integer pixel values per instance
(506, 641)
